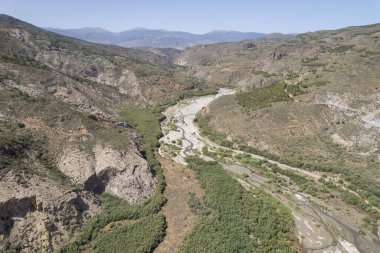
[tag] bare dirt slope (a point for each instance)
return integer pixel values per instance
(180, 219)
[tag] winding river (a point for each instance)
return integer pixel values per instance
(317, 229)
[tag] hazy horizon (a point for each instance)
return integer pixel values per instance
(196, 17)
(145, 28)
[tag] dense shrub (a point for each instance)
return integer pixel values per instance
(142, 236)
(240, 221)
(365, 187)
(263, 97)
(341, 49)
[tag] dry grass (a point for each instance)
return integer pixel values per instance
(180, 220)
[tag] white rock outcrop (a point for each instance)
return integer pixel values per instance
(123, 173)
(42, 216)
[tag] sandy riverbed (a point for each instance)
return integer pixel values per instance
(313, 226)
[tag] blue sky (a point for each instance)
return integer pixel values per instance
(197, 16)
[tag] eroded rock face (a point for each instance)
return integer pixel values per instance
(124, 174)
(278, 55)
(105, 72)
(249, 45)
(42, 217)
(365, 114)
(15, 207)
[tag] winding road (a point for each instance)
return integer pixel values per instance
(318, 230)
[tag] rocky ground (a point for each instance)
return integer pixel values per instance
(42, 216)
(182, 116)
(123, 174)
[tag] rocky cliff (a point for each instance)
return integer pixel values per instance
(41, 216)
(124, 174)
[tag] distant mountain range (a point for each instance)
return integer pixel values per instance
(148, 38)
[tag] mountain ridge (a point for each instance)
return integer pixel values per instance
(82, 167)
(154, 38)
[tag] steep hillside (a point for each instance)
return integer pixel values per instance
(80, 125)
(66, 133)
(324, 82)
(148, 38)
(310, 101)
(266, 61)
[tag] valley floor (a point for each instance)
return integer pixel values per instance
(319, 228)
(180, 219)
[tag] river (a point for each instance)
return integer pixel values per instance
(317, 230)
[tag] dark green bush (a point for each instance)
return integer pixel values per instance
(240, 221)
(263, 97)
(142, 236)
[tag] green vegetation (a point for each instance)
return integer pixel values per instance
(341, 49)
(115, 210)
(143, 69)
(264, 73)
(248, 160)
(369, 53)
(218, 155)
(21, 60)
(240, 221)
(196, 93)
(17, 147)
(196, 205)
(305, 185)
(207, 130)
(292, 75)
(276, 174)
(309, 186)
(22, 149)
(206, 62)
(263, 97)
(231, 219)
(312, 62)
(318, 83)
(367, 225)
(172, 126)
(294, 90)
(366, 188)
(149, 228)
(14, 140)
(308, 60)
(354, 200)
(142, 236)
(173, 150)
(147, 122)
